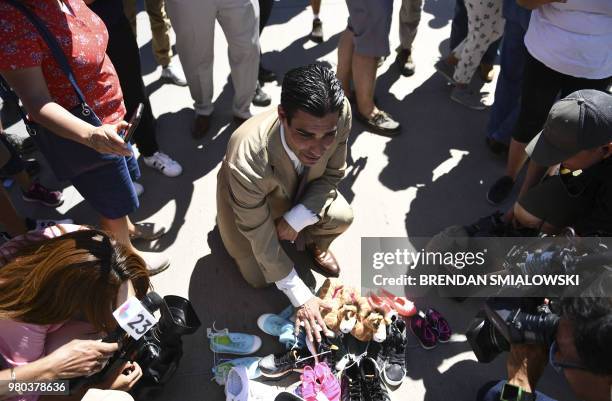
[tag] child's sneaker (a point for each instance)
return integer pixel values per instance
(41, 194)
(310, 387)
(423, 331)
(439, 324)
(222, 369)
(224, 342)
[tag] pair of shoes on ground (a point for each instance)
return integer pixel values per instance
(239, 387)
(361, 381)
(389, 302)
(390, 355)
(461, 93)
(162, 163)
(319, 379)
(224, 342)
(430, 328)
(250, 363)
(278, 326)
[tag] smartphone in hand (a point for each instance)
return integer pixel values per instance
(128, 133)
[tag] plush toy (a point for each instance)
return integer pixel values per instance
(372, 327)
(331, 294)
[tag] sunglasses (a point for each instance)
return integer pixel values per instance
(559, 366)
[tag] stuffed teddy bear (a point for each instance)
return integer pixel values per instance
(350, 312)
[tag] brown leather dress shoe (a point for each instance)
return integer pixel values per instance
(200, 126)
(324, 260)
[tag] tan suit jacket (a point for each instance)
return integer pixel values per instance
(256, 184)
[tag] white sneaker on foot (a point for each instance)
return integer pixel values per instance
(139, 188)
(164, 164)
(172, 74)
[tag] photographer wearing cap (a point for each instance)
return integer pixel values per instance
(575, 145)
(581, 352)
(58, 290)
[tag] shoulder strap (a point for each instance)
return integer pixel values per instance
(55, 48)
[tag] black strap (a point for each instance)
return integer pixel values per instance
(55, 48)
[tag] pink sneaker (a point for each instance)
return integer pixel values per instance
(309, 388)
(329, 385)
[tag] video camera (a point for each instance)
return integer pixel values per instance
(159, 349)
(505, 321)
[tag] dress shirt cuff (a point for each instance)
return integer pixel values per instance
(300, 217)
(295, 289)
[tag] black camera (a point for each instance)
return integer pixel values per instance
(505, 321)
(158, 351)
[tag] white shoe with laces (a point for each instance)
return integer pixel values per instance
(164, 164)
(238, 387)
(172, 74)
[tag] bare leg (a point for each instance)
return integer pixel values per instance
(120, 229)
(10, 219)
(516, 159)
(364, 78)
(345, 57)
(316, 6)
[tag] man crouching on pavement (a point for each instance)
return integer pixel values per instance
(279, 182)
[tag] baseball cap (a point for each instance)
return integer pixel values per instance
(580, 121)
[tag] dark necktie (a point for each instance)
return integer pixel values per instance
(300, 243)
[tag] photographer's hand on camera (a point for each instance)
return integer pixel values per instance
(525, 365)
(80, 358)
(106, 139)
(309, 316)
(125, 378)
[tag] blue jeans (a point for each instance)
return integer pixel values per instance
(492, 391)
(459, 32)
(506, 107)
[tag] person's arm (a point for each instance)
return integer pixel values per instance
(532, 4)
(322, 191)
(74, 359)
(31, 87)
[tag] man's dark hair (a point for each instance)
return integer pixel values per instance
(313, 89)
(592, 321)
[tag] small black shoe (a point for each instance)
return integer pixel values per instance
(350, 383)
(394, 370)
(317, 31)
(282, 364)
(500, 190)
(261, 98)
(266, 75)
(371, 383)
(405, 63)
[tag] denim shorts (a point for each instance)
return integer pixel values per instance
(109, 189)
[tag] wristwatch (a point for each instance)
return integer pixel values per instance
(510, 392)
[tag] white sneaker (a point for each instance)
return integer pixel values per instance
(164, 164)
(139, 188)
(238, 387)
(172, 74)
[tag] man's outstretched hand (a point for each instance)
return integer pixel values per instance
(309, 316)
